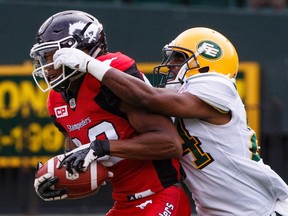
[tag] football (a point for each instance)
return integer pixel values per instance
(78, 185)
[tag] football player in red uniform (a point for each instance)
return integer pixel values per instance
(85, 111)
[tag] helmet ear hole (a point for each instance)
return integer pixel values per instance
(204, 69)
(68, 43)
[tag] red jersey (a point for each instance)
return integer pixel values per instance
(94, 114)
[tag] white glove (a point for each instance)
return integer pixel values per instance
(73, 58)
(78, 60)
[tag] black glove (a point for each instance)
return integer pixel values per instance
(80, 158)
(44, 187)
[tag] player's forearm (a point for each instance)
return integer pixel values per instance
(147, 147)
(128, 88)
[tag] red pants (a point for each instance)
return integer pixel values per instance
(172, 201)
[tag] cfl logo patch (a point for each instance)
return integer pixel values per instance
(61, 111)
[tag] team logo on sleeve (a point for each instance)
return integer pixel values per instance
(210, 50)
(61, 111)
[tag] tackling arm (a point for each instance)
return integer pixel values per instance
(134, 91)
(163, 101)
(157, 137)
(128, 88)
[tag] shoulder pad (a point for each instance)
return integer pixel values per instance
(213, 88)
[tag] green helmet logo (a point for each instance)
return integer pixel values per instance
(209, 50)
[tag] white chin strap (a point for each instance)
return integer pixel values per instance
(96, 52)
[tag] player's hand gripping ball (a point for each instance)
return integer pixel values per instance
(53, 183)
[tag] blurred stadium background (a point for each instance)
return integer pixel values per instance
(139, 28)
